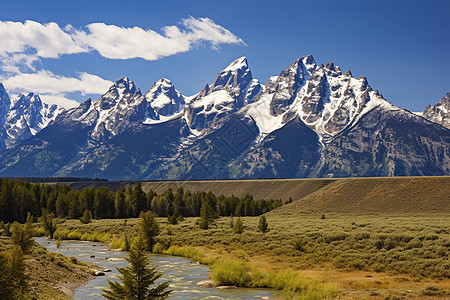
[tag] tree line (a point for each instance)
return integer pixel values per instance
(18, 197)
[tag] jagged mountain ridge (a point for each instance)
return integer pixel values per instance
(439, 113)
(23, 117)
(311, 120)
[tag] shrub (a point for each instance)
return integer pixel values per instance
(172, 219)
(238, 226)
(158, 248)
(187, 252)
(299, 245)
(86, 218)
(231, 273)
(117, 243)
(74, 235)
(297, 286)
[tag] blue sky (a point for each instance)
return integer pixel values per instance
(402, 47)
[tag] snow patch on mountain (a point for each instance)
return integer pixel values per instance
(259, 111)
(237, 64)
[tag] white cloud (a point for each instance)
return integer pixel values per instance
(47, 40)
(46, 82)
(124, 43)
(60, 100)
(23, 45)
(54, 88)
(50, 41)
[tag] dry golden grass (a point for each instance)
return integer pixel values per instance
(376, 195)
(365, 255)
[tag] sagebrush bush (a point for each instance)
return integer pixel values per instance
(231, 273)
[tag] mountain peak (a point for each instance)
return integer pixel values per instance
(234, 79)
(27, 99)
(309, 63)
(164, 101)
(4, 97)
(5, 104)
(162, 83)
(122, 88)
(240, 63)
(440, 112)
(289, 82)
(2, 90)
(124, 82)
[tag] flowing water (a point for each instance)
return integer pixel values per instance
(181, 272)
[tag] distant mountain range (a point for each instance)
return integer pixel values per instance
(309, 121)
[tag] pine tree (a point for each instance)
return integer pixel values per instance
(49, 222)
(138, 199)
(238, 226)
(263, 226)
(29, 225)
(18, 278)
(120, 206)
(138, 279)
(6, 287)
(22, 235)
(207, 215)
(149, 228)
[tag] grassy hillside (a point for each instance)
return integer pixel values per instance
(344, 195)
(377, 195)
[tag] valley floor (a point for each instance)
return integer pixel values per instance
(372, 256)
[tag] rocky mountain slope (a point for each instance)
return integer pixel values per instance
(309, 121)
(439, 113)
(23, 117)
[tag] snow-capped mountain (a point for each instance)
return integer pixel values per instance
(23, 117)
(123, 105)
(164, 101)
(109, 115)
(439, 113)
(233, 88)
(323, 97)
(309, 121)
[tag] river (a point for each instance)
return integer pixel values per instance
(181, 272)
